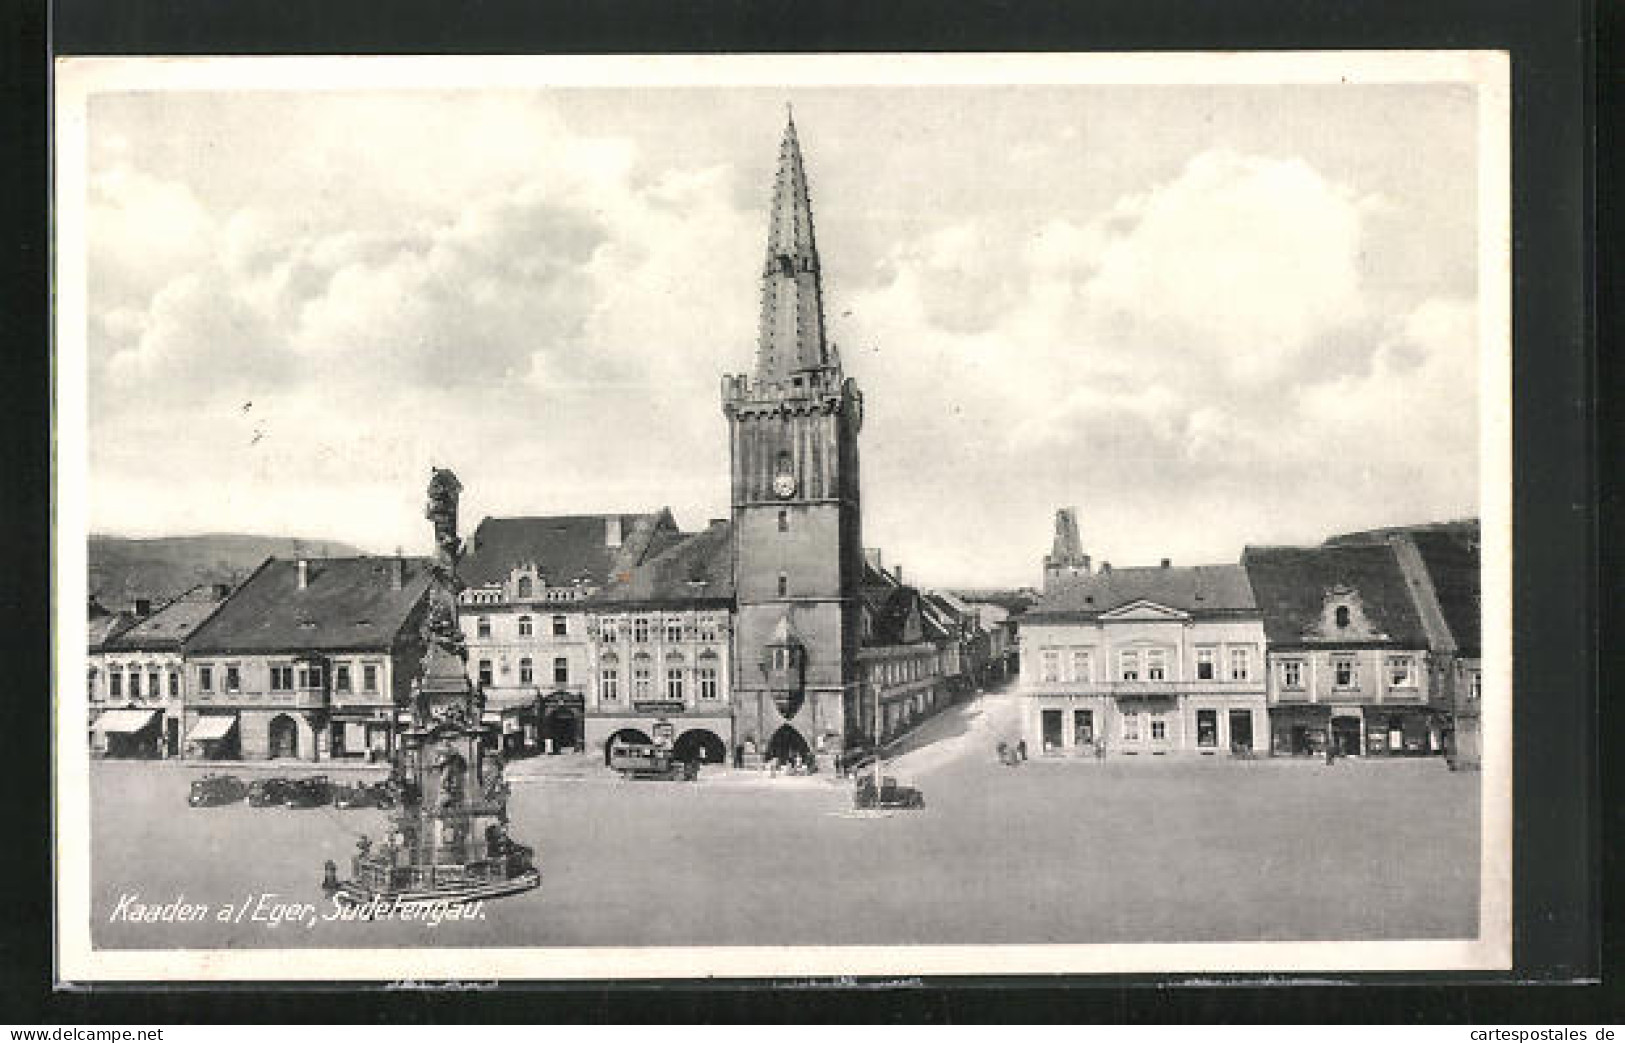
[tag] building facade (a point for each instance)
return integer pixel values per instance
(1349, 658)
(1145, 661)
(309, 659)
(525, 612)
(661, 652)
(798, 554)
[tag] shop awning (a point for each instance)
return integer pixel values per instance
(210, 729)
(124, 721)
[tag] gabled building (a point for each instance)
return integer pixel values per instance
(309, 659)
(908, 659)
(1145, 661)
(1349, 651)
(146, 676)
(102, 692)
(524, 612)
(660, 659)
(1452, 563)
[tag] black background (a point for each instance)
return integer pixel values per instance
(1564, 620)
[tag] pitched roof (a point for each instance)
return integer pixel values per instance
(170, 625)
(1200, 590)
(1452, 560)
(105, 628)
(1291, 584)
(564, 548)
(348, 603)
(688, 567)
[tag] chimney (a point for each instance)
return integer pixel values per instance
(1105, 568)
(304, 573)
(221, 591)
(1166, 562)
(871, 556)
(143, 607)
(897, 574)
(612, 531)
(716, 523)
(397, 573)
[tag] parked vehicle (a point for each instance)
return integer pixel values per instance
(313, 792)
(214, 790)
(264, 793)
(888, 794)
(364, 795)
(637, 760)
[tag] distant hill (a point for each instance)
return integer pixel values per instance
(123, 569)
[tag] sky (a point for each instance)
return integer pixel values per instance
(1206, 316)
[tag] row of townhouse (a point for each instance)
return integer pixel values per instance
(1367, 644)
(580, 630)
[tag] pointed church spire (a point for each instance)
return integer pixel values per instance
(791, 337)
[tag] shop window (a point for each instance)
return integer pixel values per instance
(526, 626)
(561, 626)
(561, 670)
(1207, 728)
(609, 684)
(482, 626)
(527, 671)
(1205, 664)
(485, 671)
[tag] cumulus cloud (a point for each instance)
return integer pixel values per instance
(546, 304)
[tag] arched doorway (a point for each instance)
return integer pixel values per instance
(625, 735)
(700, 744)
(787, 744)
(562, 727)
(284, 736)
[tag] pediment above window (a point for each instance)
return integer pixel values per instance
(1343, 619)
(1144, 610)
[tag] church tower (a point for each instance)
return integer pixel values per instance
(1066, 560)
(798, 548)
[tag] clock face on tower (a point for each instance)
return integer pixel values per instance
(784, 485)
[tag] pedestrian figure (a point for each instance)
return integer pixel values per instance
(739, 755)
(1004, 753)
(1100, 749)
(1331, 752)
(1021, 750)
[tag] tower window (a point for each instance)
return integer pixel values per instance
(1342, 615)
(784, 521)
(787, 264)
(784, 585)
